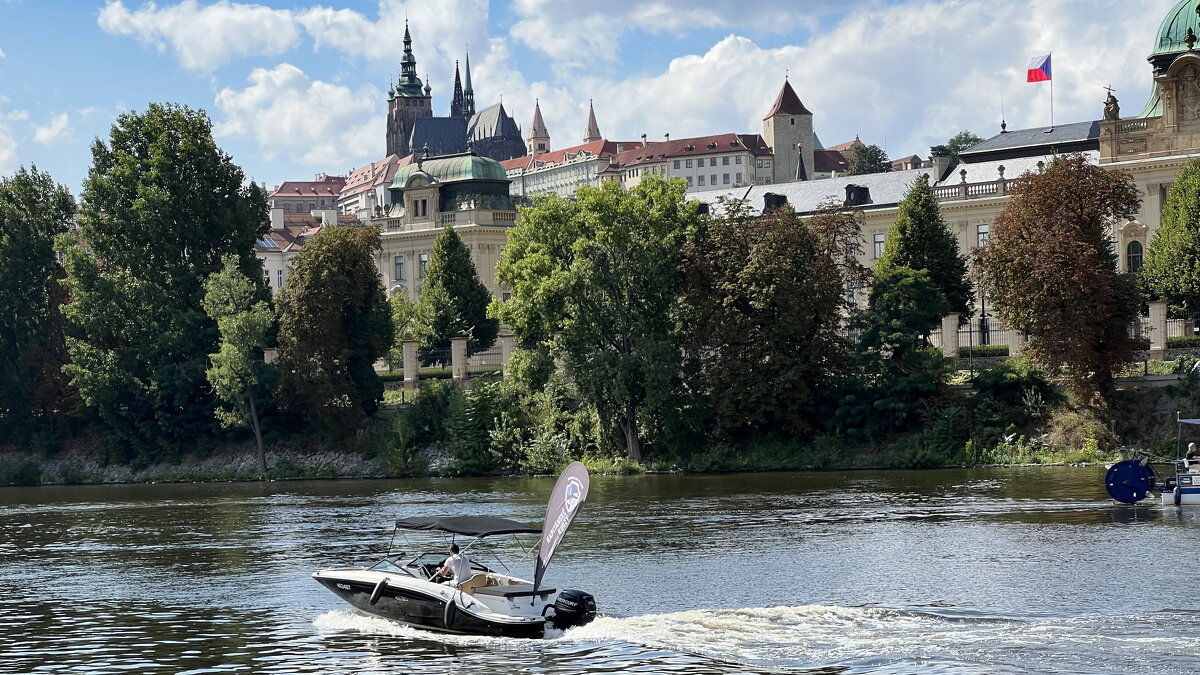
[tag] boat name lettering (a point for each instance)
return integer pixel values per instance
(344, 587)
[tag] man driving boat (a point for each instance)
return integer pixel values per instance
(458, 568)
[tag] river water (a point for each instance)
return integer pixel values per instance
(955, 571)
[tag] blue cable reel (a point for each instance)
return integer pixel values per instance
(1130, 481)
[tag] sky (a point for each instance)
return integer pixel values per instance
(295, 89)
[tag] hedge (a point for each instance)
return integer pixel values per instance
(982, 351)
(1184, 342)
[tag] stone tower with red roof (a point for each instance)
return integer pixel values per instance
(788, 128)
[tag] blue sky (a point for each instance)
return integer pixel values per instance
(294, 89)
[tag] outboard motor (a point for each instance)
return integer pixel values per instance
(573, 608)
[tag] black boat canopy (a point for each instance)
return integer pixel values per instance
(466, 525)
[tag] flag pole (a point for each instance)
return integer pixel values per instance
(1052, 94)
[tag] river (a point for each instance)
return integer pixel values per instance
(954, 571)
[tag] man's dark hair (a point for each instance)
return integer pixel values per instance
(454, 548)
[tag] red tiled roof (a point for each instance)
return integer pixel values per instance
(376, 173)
(331, 186)
(298, 228)
(599, 148)
(692, 147)
(848, 145)
(787, 103)
(829, 161)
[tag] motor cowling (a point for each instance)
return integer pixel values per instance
(573, 608)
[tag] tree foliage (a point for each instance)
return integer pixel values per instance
(921, 240)
(596, 279)
(1172, 266)
(407, 322)
(243, 320)
(763, 302)
(334, 323)
(868, 159)
(898, 371)
(1051, 271)
(162, 206)
(960, 142)
(454, 302)
(33, 211)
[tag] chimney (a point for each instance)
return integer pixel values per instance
(277, 218)
(857, 195)
(772, 201)
(326, 216)
(643, 140)
(940, 157)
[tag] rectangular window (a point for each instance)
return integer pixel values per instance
(766, 163)
(689, 178)
(702, 179)
(738, 178)
(758, 164)
(422, 263)
(505, 297)
(725, 179)
(676, 164)
(689, 163)
(279, 276)
(712, 161)
(737, 160)
(712, 180)
(879, 240)
(399, 263)
(725, 161)
(982, 235)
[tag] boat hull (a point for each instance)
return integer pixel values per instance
(404, 604)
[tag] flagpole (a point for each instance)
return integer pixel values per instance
(1052, 94)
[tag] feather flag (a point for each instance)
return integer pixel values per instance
(1039, 69)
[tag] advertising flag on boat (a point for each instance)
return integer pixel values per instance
(1039, 69)
(565, 501)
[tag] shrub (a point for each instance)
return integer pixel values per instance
(20, 471)
(1183, 342)
(982, 351)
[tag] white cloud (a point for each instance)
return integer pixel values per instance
(8, 140)
(59, 129)
(204, 37)
(293, 117)
(1, 53)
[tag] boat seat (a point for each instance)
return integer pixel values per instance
(513, 591)
(475, 582)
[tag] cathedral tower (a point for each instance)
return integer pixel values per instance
(407, 101)
(539, 138)
(788, 128)
(456, 103)
(468, 91)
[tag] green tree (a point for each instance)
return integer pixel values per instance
(1051, 271)
(868, 159)
(921, 240)
(596, 279)
(33, 211)
(407, 321)
(1172, 267)
(961, 142)
(898, 370)
(454, 302)
(231, 299)
(334, 323)
(763, 301)
(162, 206)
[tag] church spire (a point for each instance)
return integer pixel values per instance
(468, 90)
(409, 85)
(456, 105)
(539, 138)
(592, 133)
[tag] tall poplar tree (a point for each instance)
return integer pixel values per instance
(162, 206)
(454, 302)
(920, 239)
(1172, 268)
(33, 211)
(334, 324)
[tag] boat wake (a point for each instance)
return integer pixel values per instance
(855, 639)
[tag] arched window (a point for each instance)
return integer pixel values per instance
(1133, 253)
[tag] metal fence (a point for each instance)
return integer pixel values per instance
(987, 332)
(487, 361)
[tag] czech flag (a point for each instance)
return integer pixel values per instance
(1039, 69)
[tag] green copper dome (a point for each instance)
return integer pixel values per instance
(453, 169)
(1173, 31)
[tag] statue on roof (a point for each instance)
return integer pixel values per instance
(1112, 107)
